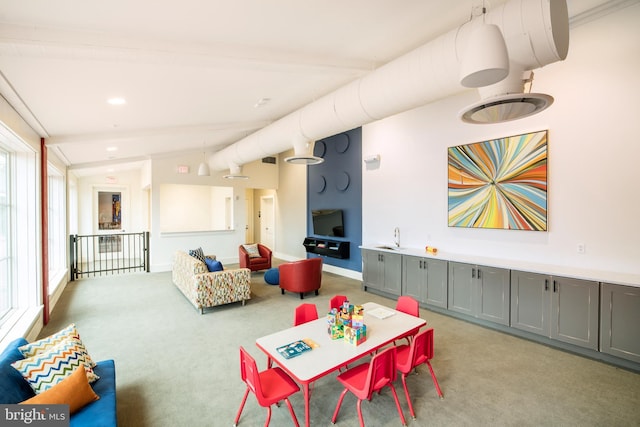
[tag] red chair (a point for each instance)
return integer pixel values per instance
(255, 262)
(408, 305)
(336, 302)
(367, 378)
(270, 386)
(409, 357)
(305, 313)
(301, 276)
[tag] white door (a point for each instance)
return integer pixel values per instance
(249, 216)
(267, 222)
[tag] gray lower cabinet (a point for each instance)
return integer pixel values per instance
(561, 308)
(425, 279)
(479, 291)
(619, 320)
(382, 271)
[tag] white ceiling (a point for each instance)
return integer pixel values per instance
(192, 71)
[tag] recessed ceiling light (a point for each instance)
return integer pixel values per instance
(111, 149)
(116, 101)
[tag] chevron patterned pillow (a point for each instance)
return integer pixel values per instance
(45, 370)
(45, 344)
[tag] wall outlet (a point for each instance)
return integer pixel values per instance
(580, 248)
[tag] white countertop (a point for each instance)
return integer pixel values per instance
(558, 270)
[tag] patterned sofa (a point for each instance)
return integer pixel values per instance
(205, 289)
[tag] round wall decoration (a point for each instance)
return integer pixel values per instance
(342, 143)
(342, 181)
(319, 184)
(319, 149)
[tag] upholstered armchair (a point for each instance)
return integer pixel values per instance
(301, 276)
(255, 257)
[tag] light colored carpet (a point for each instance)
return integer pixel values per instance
(176, 367)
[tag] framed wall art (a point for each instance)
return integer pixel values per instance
(499, 183)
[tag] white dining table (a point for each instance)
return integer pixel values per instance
(330, 355)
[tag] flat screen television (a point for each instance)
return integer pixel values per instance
(327, 222)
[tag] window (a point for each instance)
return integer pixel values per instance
(20, 265)
(56, 224)
(6, 294)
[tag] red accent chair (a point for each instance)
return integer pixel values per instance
(270, 386)
(263, 262)
(367, 378)
(336, 302)
(409, 357)
(301, 276)
(408, 305)
(305, 313)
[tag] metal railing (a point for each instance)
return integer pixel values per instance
(105, 254)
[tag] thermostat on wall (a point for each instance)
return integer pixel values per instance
(372, 159)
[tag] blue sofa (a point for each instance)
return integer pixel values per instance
(100, 413)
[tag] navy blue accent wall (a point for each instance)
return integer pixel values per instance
(337, 184)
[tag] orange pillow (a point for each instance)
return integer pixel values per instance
(74, 391)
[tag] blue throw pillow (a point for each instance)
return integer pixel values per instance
(213, 265)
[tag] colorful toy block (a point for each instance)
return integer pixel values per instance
(355, 336)
(336, 332)
(357, 321)
(332, 317)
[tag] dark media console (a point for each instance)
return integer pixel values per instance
(331, 248)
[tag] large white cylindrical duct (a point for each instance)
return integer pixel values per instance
(541, 39)
(536, 33)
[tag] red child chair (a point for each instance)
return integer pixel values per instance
(305, 313)
(367, 378)
(270, 386)
(336, 302)
(408, 305)
(411, 356)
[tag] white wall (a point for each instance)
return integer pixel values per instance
(223, 244)
(134, 207)
(593, 152)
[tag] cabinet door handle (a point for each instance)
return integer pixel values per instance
(478, 273)
(555, 286)
(473, 273)
(421, 267)
(546, 284)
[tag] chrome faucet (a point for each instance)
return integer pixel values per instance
(396, 236)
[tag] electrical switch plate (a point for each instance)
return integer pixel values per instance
(580, 248)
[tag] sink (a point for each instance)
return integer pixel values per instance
(390, 248)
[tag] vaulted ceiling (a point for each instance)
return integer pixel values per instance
(198, 75)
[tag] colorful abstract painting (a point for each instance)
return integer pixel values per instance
(501, 183)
